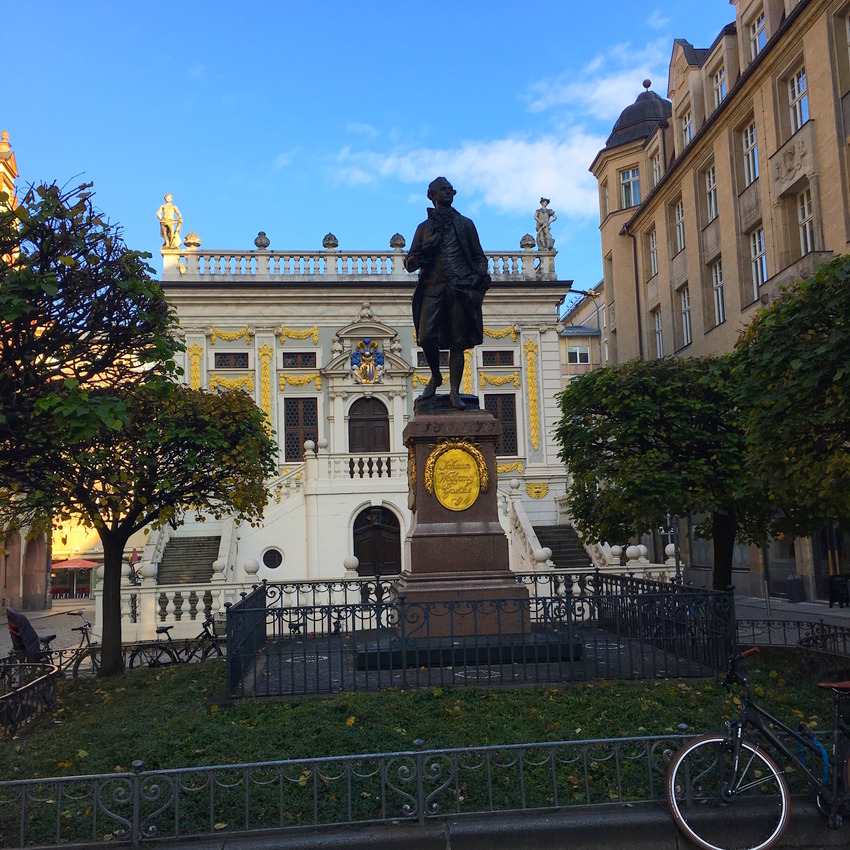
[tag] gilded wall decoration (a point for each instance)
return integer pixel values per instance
(456, 473)
(516, 466)
(195, 352)
(498, 380)
(493, 333)
(536, 489)
(229, 336)
(266, 353)
(530, 350)
(305, 334)
(300, 380)
(367, 362)
(423, 379)
(243, 382)
(467, 371)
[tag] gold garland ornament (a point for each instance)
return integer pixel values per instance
(530, 349)
(423, 379)
(516, 466)
(456, 473)
(502, 333)
(498, 380)
(244, 382)
(300, 380)
(293, 334)
(229, 336)
(195, 352)
(537, 489)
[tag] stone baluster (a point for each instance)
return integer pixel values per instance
(170, 607)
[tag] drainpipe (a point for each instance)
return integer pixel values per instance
(625, 232)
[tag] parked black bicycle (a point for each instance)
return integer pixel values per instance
(728, 777)
(159, 653)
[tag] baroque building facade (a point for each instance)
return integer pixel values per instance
(714, 197)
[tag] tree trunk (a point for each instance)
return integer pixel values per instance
(111, 657)
(723, 525)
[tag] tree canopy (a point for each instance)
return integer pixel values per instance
(650, 439)
(81, 320)
(792, 370)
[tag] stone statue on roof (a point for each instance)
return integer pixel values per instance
(543, 218)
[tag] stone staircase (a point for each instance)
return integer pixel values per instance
(567, 552)
(188, 560)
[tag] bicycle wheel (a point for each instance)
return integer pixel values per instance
(211, 650)
(718, 811)
(86, 662)
(153, 655)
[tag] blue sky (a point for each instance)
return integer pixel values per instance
(304, 118)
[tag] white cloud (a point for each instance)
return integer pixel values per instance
(657, 21)
(198, 72)
(507, 175)
(283, 159)
(606, 84)
(361, 129)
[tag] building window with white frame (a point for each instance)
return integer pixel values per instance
(798, 99)
(656, 168)
(758, 260)
(680, 226)
(719, 86)
(578, 354)
(659, 336)
(719, 293)
(758, 35)
(629, 188)
(806, 221)
(687, 128)
(751, 154)
(653, 253)
(685, 305)
(711, 193)
(603, 316)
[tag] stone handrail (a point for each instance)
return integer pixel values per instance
(188, 265)
(526, 546)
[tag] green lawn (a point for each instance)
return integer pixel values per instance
(169, 718)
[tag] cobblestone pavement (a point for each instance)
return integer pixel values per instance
(55, 621)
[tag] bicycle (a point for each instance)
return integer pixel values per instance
(731, 772)
(86, 654)
(157, 653)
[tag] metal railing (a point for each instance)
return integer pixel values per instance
(26, 691)
(818, 635)
(364, 636)
(415, 786)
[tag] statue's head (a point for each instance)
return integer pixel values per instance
(168, 198)
(440, 190)
(544, 201)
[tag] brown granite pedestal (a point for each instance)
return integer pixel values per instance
(458, 552)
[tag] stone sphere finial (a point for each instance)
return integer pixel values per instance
(330, 242)
(192, 240)
(647, 84)
(262, 241)
(527, 242)
(397, 242)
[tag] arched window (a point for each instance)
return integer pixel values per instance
(368, 427)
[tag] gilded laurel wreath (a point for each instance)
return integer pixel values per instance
(463, 445)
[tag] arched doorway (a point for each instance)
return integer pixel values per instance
(377, 542)
(368, 427)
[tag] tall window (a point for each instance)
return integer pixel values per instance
(604, 200)
(751, 154)
(685, 304)
(680, 226)
(806, 220)
(798, 99)
(659, 336)
(653, 253)
(656, 168)
(719, 293)
(711, 193)
(758, 261)
(629, 188)
(503, 407)
(300, 423)
(719, 85)
(758, 35)
(687, 128)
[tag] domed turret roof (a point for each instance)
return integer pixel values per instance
(641, 118)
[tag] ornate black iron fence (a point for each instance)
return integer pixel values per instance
(26, 690)
(598, 629)
(414, 786)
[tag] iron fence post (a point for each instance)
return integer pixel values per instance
(420, 780)
(135, 783)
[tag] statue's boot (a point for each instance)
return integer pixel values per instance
(456, 363)
(431, 387)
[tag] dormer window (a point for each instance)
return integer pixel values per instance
(758, 35)
(719, 86)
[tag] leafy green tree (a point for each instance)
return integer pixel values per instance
(793, 375)
(178, 449)
(648, 439)
(81, 321)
